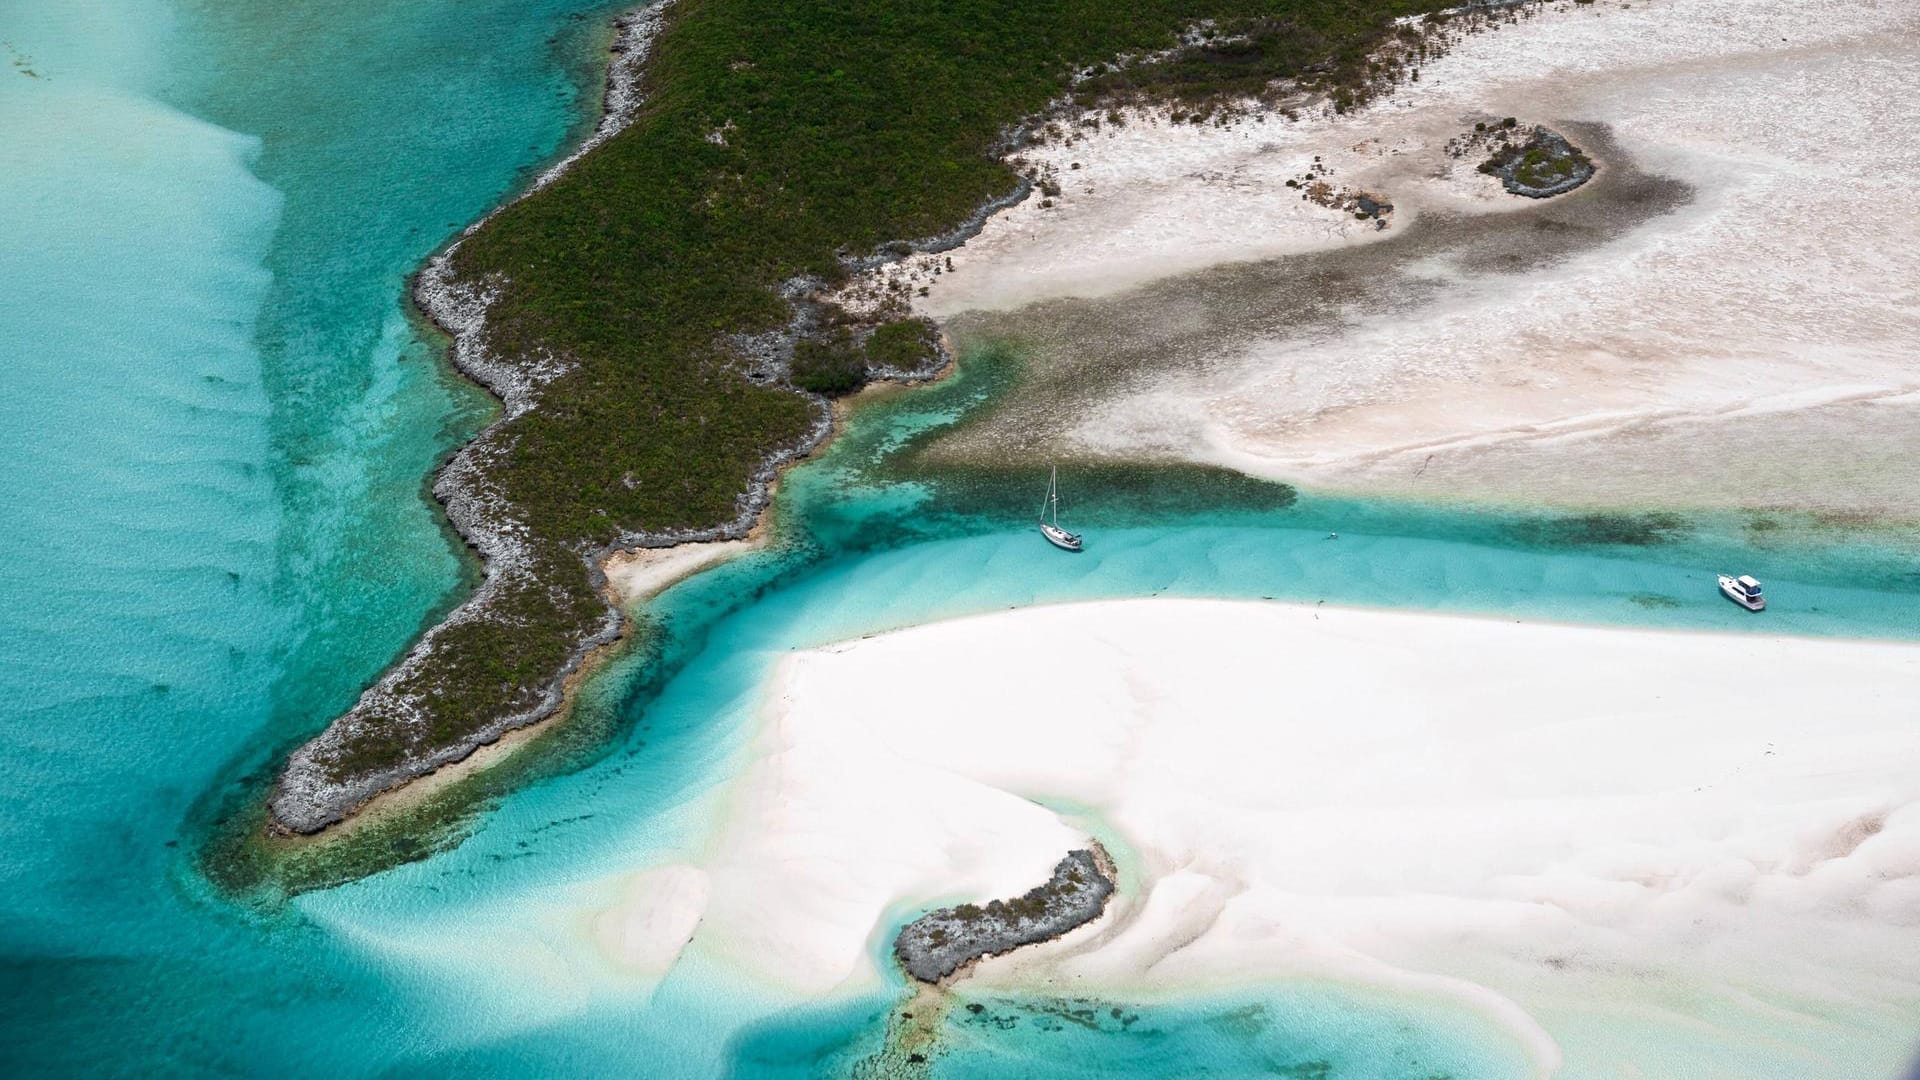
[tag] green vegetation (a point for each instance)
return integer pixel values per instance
(830, 364)
(776, 139)
(1539, 163)
(1331, 46)
(1537, 168)
(240, 857)
(903, 345)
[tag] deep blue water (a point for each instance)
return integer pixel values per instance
(213, 442)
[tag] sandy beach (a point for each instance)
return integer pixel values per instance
(638, 574)
(1185, 303)
(1631, 849)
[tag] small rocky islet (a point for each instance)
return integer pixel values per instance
(1529, 160)
(935, 945)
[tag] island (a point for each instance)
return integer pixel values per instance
(934, 946)
(1531, 160)
(650, 311)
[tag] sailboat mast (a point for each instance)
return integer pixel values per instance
(1050, 515)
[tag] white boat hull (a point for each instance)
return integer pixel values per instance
(1059, 537)
(1731, 589)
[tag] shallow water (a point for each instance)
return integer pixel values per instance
(215, 429)
(217, 425)
(507, 916)
(1304, 1031)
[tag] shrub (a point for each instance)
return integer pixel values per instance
(830, 365)
(903, 345)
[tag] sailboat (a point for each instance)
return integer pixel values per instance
(1050, 517)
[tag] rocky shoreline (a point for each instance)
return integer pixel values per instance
(307, 798)
(318, 786)
(938, 944)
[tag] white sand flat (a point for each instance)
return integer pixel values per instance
(1645, 848)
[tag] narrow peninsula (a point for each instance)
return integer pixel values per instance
(652, 311)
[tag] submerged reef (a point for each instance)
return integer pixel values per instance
(939, 943)
(1605, 529)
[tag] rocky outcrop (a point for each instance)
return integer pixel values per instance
(1545, 164)
(939, 943)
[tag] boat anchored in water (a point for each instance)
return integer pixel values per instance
(1050, 517)
(1744, 591)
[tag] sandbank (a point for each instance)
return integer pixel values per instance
(1485, 345)
(639, 574)
(1678, 853)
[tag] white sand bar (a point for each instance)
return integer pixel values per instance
(1657, 854)
(1774, 309)
(640, 573)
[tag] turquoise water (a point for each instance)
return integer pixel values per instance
(1309, 1032)
(1300, 1031)
(215, 426)
(217, 423)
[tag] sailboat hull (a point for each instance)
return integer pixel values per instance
(1059, 537)
(1050, 517)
